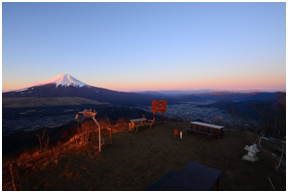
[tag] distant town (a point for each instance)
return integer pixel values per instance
(199, 110)
(195, 111)
(33, 123)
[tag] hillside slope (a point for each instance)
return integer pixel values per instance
(136, 160)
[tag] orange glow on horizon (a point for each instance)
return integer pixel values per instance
(227, 87)
(219, 84)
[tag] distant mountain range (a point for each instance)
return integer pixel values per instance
(200, 91)
(236, 97)
(176, 92)
(65, 85)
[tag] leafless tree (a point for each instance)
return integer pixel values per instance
(41, 139)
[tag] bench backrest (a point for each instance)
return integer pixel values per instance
(211, 126)
(138, 120)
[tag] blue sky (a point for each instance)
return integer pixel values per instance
(146, 46)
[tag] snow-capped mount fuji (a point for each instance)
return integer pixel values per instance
(63, 80)
(61, 85)
(65, 85)
(60, 80)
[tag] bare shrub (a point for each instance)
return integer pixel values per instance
(55, 156)
(217, 120)
(41, 139)
(122, 120)
(24, 156)
(104, 123)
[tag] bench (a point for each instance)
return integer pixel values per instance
(160, 181)
(135, 123)
(200, 131)
(218, 130)
(193, 177)
(144, 124)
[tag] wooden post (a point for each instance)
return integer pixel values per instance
(15, 177)
(154, 119)
(111, 138)
(162, 116)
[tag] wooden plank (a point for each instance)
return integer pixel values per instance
(146, 124)
(138, 119)
(200, 131)
(207, 125)
(159, 105)
(158, 110)
(162, 101)
(159, 102)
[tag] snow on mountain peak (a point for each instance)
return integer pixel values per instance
(63, 80)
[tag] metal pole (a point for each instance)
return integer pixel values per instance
(99, 133)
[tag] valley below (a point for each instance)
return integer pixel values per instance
(33, 118)
(68, 152)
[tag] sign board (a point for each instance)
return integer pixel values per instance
(159, 106)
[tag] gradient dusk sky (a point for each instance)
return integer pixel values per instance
(146, 46)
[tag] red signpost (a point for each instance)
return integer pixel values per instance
(159, 106)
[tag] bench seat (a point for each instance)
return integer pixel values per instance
(193, 177)
(135, 123)
(160, 181)
(145, 124)
(200, 131)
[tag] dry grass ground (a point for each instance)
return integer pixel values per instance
(138, 159)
